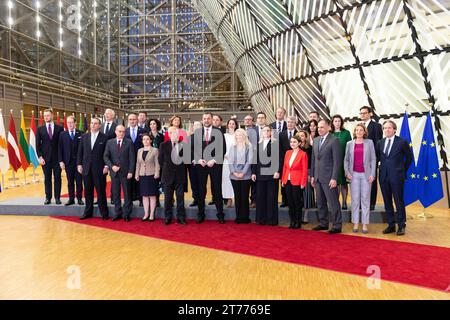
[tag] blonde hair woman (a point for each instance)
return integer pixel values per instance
(240, 158)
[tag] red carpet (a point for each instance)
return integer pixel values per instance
(108, 192)
(409, 263)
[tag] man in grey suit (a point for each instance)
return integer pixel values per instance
(325, 163)
(120, 158)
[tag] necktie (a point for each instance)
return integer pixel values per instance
(118, 145)
(49, 131)
(290, 135)
(107, 128)
(133, 134)
(321, 142)
(207, 136)
(388, 146)
(71, 135)
(279, 126)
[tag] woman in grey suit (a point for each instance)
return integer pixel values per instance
(360, 165)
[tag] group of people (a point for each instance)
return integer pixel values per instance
(313, 166)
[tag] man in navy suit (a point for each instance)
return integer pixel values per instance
(67, 157)
(395, 158)
(375, 133)
(91, 165)
(47, 139)
(280, 124)
(134, 132)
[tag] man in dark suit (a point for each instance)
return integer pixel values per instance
(395, 158)
(207, 151)
(280, 124)
(142, 122)
(325, 163)
(313, 115)
(109, 128)
(253, 138)
(92, 166)
(217, 123)
(134, 133)
(120, 158)
(260, 124)
(173, 175)
(47, 140)
(375, 133)
(67, 156)
(285, 145)
(109, 125)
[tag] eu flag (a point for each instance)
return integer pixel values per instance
(430, 184)
(410, 192)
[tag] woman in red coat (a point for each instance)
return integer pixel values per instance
(295, 177)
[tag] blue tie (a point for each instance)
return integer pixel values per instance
(71, 135)
(133, 135)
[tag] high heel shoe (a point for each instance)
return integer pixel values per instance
(145, 219)
(150, 220)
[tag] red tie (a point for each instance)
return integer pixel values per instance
(207, 136)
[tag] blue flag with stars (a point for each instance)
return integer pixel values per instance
(410, 192)
(430, 184)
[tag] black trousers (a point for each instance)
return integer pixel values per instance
(241, 190)
(52, 168)
(267, 201)
(295, 201)
(74, 178)
(374, 190)
(215, 174)
(193, 178)
(389, 191)
(169, 190)
(117, 182)
(99, 182)
(253, 192)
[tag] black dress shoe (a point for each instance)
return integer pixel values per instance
(211, 203)
(193, 204)
(116, 218)
(127, 219)
(167, 222)
(69, 203)
(95, 203)
(112, 201)
(333, 231)
(291, 225)
(283, 205)
(401, 231)
(221, 220)
(104, 218)
(47, 201)
(58, 201)
(319, 228)
(344, 206)
(80, 202)
(85, 216)
(304, 222)
(296, 226)
(390, 229)
(200, 219)
(181, 221)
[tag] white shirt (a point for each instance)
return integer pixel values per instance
(323, 138)
(291, 161)
(106, 126)
(94, 136)
(291, 132)
(265, 143)
(366, 123)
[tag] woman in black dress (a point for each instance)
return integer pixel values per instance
(147, 173)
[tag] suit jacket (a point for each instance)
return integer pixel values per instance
(112, 130)
(375, 132)
(138, 142)
(298, 170)
(283, 127)
(217, 153)
(393, 167)
(171, 172)
(148, 166)
(92, 158)
(45, 147)
(370, 159)
(125, 158)
(325, 164)
(68, 148)
(267, 161)
(285, 144)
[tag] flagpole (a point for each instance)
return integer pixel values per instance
(13, 180)
(25, 177)
(3, 182)
(34, 180)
